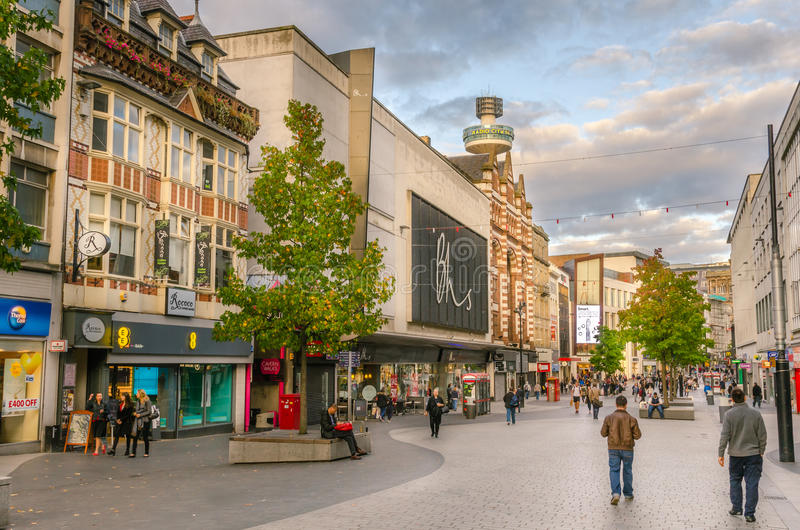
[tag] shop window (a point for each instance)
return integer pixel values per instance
(30, 197)
(179, 245)
(181, 154)
(206, 392)
(21, 384)
(158, 382)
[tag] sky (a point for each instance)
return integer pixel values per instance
(580, 78)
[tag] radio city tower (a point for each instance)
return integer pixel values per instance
(488, 137)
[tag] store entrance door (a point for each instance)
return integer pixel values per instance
(499, 386)
(205, 395)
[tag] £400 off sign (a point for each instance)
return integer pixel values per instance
(21, 404)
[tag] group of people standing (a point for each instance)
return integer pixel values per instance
(128, 419)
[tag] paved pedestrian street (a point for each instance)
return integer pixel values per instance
(547, 471)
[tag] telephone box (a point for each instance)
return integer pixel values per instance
(553, 388)
(476, 398)
(289, 411)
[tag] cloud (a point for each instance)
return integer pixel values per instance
(612, 58)
(596, 104)
(635, 85)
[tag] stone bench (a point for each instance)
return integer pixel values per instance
(675, 411)
(283, 446)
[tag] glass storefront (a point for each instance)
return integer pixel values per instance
(188, 396)
(404, 380)
(21, 385)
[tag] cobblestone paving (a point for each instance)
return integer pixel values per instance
(550, 471)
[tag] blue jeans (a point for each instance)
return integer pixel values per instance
(383, 413)
(651, 408)
(454, 404)
(537, 394)
(749, 468)
(615, 457)
(511, 414)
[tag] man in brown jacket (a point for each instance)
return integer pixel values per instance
(594, 399)
(621, 429)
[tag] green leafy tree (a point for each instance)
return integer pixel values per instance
(609, 352)
(666, 318)
(21, 82)
(324, 291)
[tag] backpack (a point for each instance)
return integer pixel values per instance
(154, 413)
(513, 401)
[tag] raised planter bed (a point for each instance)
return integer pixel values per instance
(288, 446)
(673, 412)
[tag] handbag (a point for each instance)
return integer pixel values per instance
(344, 426)
(597, 403)
(445, 409)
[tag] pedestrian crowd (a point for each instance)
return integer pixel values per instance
(125, 418)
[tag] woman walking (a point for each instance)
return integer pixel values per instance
(576, 396)
(142, 417)
(434, 411)
(124, 423)
(99, 411)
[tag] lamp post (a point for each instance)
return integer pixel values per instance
(519, 310)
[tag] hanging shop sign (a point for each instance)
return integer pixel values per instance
(161, 252)
(180, 302)
(449, 271)
(202, 257)
(93, 244)
(24, 317)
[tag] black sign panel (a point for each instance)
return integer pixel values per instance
(202, 257)
(165, 339)
(161, 254)
(449, 271)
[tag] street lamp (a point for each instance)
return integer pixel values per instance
(519, 310)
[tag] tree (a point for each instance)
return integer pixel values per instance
(21, 82)
(325, 292)
(608, 353)
(666, 318)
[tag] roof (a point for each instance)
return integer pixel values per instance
(104, 72)
(148, 6)
(196, 31)
(472, 165)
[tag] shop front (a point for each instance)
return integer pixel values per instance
(24, 326)
(189, 376)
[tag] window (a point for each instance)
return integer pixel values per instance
(223, 256)
(22, 47)
(126, 128)
(115, 11)
(226, 172)
(207, 151)
(179, 247)
(208, 67)
(165, 35)
(181, 154)
(119, 218)
(30, 197)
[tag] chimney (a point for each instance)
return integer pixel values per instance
(426, 139)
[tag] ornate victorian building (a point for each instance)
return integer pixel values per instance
(519, 266)
(157, 165)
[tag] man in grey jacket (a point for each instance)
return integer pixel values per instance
(745, 436)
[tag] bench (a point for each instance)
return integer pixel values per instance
(288, 446)
(676, 411)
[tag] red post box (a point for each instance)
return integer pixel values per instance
(289, 411)
(553, 389)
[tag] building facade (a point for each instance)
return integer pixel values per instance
(158, 149)
(424, 211)
(30, 299)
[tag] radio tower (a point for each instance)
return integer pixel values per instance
(488, 137)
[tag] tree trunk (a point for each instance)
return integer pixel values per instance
(303, 389)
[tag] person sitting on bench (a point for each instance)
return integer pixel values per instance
(328, 430)
(655, 404)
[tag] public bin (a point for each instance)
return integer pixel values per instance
(710, 397)
(360, 409)
(289, 412)
(470, 411)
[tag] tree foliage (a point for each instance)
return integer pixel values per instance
(21, 83)
(666, 317)
(323, 291)
(609, 352)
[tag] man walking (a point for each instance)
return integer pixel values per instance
(745, 436)
(621, 429)
(757, 395)
(594, 399)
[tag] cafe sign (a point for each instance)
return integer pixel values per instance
(180, 302)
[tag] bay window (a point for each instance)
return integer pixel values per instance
(119, 218)
(125, 124)
(179, 247)
(223, 256)
(181, 154)
(226, 172)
